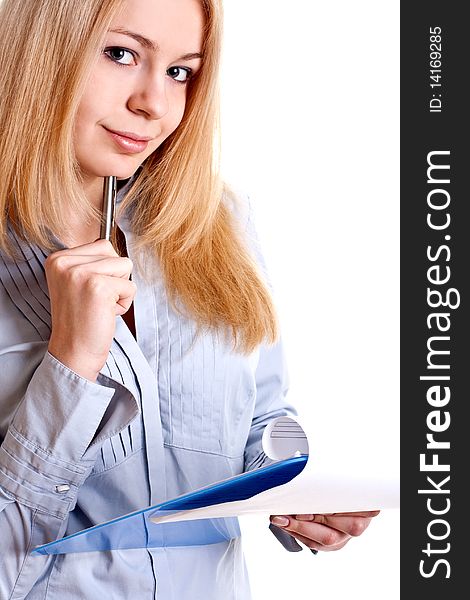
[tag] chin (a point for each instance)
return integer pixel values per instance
(124, 173)
(118, 169)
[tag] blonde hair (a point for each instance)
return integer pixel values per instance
(180, 206)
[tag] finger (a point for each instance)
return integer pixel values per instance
(97, 247)
(83, 266)
(110, 266)
(350, 523)
(314, 545)
(122, 291)
(364, 513)
(326, 536)
(367, 513)
(322, 534)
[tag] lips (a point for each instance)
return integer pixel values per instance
(129, 142)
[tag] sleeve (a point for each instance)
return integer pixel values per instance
(271, 390)
(272, 384)
(271, 377)
(48, 451)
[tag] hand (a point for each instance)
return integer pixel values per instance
(325, 532)
(88, 286)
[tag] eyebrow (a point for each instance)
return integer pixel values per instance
(146, 43)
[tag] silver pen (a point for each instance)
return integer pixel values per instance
(109, 205)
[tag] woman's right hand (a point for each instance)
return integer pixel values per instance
(88, 286)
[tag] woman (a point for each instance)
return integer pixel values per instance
(121, 391)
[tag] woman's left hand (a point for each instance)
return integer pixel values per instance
(326, 532)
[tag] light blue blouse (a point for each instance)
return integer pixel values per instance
(169, 413)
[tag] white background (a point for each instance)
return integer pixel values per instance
(310, 102)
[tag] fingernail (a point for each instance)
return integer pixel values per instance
(313, 551)
(304, 517)
(280, 521)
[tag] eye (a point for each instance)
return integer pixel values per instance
(120, 55)
(180, 74)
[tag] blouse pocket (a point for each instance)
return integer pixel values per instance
(207, 395)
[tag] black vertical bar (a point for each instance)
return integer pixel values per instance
(434, 258)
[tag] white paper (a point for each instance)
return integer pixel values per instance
(322, 487)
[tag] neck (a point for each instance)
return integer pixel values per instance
(93, 189)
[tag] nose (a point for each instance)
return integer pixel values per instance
(149, 98)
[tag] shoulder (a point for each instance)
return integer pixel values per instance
(24, 301)
(238, 203)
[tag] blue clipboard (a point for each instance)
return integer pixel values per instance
(135, 530)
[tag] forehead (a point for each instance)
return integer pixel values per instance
(173, 25)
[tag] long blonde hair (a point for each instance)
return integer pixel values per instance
(178, 202)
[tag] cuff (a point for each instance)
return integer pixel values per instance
(57, 431)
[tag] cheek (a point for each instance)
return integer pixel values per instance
(175, 115)
(86, 114)
(97, 100)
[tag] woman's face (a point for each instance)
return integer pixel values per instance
(136, 95)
